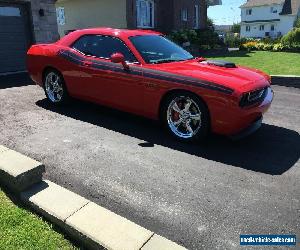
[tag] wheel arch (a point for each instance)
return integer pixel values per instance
(48, 68)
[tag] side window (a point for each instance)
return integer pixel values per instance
(82, 45)
(103, 47)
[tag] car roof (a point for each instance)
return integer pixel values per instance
(121, 33)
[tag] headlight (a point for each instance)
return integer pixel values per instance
(253, 97)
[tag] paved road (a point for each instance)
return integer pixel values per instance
(201, 196)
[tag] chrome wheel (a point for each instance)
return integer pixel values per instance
(184, 117)
(54, 87)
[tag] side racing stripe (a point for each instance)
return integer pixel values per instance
(149, 73)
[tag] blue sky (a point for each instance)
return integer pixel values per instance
(227, 13)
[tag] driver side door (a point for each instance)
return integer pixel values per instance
(106, 82)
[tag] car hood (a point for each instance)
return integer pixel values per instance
(239, 78)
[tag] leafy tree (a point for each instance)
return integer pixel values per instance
(210, 24)
(293, 37)
(236, 28)
(297, 23)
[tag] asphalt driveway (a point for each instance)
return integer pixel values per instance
(202, 196)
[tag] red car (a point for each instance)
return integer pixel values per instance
(142, 72)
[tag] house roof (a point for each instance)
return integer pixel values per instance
(214, 2)
(254, 3)
(289, 6)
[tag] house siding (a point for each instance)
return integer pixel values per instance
(33, 22)
(43, 28)
(168, 14)
(261, 15)
(123, 14)
(163, 17)
(93, 13)
(189, 5)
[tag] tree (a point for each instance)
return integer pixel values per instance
(210, 24)
(297, 23)
(236, 28)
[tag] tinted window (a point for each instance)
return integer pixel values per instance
(103, 47)
(158, 49)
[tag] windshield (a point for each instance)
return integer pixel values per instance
(157, 49)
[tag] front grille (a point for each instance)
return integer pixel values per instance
(253, 97)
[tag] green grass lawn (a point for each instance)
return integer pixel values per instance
(19, 229)
(273, 63)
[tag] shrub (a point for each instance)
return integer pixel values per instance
(210, 24)
(252, 45)
(268, 46)
(278, 47)
(179, 37)
(297, 23)
(295, 47)
(200, 38)
(260, 46)
(233, 41)
(236, 28)
(207, 37)
(293, 37)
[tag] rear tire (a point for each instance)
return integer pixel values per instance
(185, 116)
(55, 88)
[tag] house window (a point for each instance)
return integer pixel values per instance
(272, 27)
(10, 11)
(145, 13)
(249, 12)
(196, 16)
(248, 28)
(61, 18)
(273, 10)
(184, 15)
(262, 27)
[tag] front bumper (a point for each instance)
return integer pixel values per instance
(238, 122)
(249, 130)
(256, 124)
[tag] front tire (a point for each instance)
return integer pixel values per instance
(55, 88)
(185, 116)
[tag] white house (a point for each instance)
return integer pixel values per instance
(268, 18)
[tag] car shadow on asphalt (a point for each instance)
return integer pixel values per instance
(15, 80)
(271, 150)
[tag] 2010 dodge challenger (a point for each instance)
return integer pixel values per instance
(142, 72)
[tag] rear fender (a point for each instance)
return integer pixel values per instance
(40, 57)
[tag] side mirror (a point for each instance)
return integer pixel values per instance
(119, 58)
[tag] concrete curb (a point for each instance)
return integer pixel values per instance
(88, 223)
(18, 172)
(286, 80)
